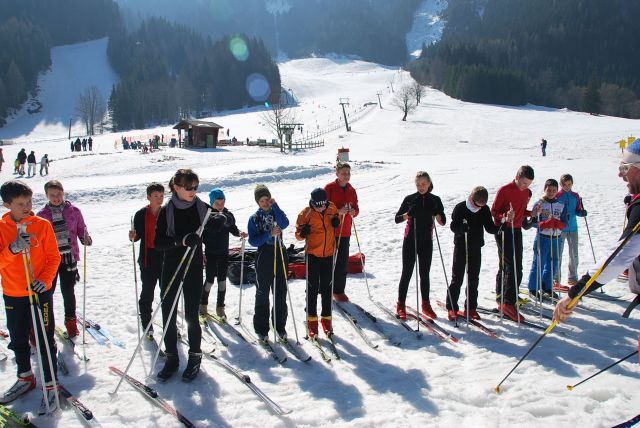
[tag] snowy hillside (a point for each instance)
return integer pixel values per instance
(425, 381)
(74, 68)
(427, 26)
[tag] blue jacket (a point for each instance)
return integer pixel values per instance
(573, 204)
(261, 223)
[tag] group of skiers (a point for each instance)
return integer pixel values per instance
(171, 252)
(34, 251)
(22, 158)
(81, 145)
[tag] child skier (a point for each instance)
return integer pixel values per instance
(573, 203)
(551, 217)
(265, 229)
(69, 227)
(149, 259)
(317, 223)
(418, 210)
(216, 246)
(19, 229)
(345, 198)
(468, 221)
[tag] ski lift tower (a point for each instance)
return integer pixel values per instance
(345, 102)
(288, 129)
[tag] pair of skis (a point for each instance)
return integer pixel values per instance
(473, 323)
(9, 418)
(343, 307)
(98, 332)
(433, 327)
(67, 340)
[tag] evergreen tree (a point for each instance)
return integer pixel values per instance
(592, 101)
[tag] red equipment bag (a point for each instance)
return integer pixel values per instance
(355, 263)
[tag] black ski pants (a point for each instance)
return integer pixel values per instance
(506, 265)
(425, 253)
(19, 323)
(319, 282)
(264, 286)
(458, 276)
(191, 292)
(342, 257)
(150, 275)
(216, 267)
(68, 279)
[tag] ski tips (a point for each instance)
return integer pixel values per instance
(498, 389)
(570, 387)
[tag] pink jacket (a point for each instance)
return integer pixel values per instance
(75, 224)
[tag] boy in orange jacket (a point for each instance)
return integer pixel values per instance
(316, 223)
(19, 229)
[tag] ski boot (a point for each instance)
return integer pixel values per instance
(340, 297)
(427, 309)
(193, 366)
(326, 326)
(72, 326)
(51, 391)
(25, 383)
(401, 311)
(220, 312)
(312, 326)
(171, 365)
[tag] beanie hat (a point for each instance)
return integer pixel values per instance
(632, 153)
(215, 194)
(260, 191)
(318, 198)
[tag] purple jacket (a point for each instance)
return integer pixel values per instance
(75, 224)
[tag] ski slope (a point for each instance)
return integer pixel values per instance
(425, 381)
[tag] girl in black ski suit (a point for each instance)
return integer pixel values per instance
(418, 209)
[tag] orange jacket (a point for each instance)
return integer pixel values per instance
(45, 257)
(321, 240)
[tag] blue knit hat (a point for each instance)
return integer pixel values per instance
(632, 152)
(215, 194)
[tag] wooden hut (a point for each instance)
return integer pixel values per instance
(198, 133)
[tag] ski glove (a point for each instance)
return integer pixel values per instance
(86, 242)
(38, 286)
(584, 213)
(21, 243)
(576, 289)
(191, 240)
(627, 199)
(335, 221)
(305, 230)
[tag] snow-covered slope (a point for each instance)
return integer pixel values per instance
(427, 26)
(461, 145)
(74, 68)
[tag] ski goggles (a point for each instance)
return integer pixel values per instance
(625, 167)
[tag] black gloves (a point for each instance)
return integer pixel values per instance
(38, 286)
(627, 199)
(576, 289)
(584, 213)
(191, 240)
(335, 221)
(305, 230)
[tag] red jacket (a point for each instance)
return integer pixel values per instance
(45, 257)
(510, 194)
(340, 197)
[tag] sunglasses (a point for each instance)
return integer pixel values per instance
(625, 167)
(189, 188)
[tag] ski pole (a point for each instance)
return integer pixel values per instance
(539, 272)
(155, 312)
(551, 265)
(84, 294)
(273, 291)
(415, 245)
(575, 300)
(444, 270)
(26, 257)
(364, 272)
(33, 322)
(502, 271)
(335, 256)
(515, 273)
(286, 285)
(570, 387)
(466, 266)
(135, 280)
(593, 253)
(239, 318)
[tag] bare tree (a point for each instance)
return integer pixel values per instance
(91, 108)
(418, 91)
(276, 117)
(403, 99)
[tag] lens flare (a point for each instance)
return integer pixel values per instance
(258, 87)
(239, 49)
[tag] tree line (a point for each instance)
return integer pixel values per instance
(169, 72)
(579, 54)
(28, 31)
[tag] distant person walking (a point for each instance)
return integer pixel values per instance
(90, 143)
(31, 160)
(72, 146)
(44, 165)
(84, 145)
(22, 159)
(543, 146)
(77, 145)
(1, 159)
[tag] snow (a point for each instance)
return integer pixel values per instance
(461, 145)
(427, 26)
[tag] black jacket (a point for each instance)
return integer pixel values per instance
(423, 208)
(216, 239)
(478, 222)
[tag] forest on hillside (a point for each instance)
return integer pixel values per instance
(579, 54)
